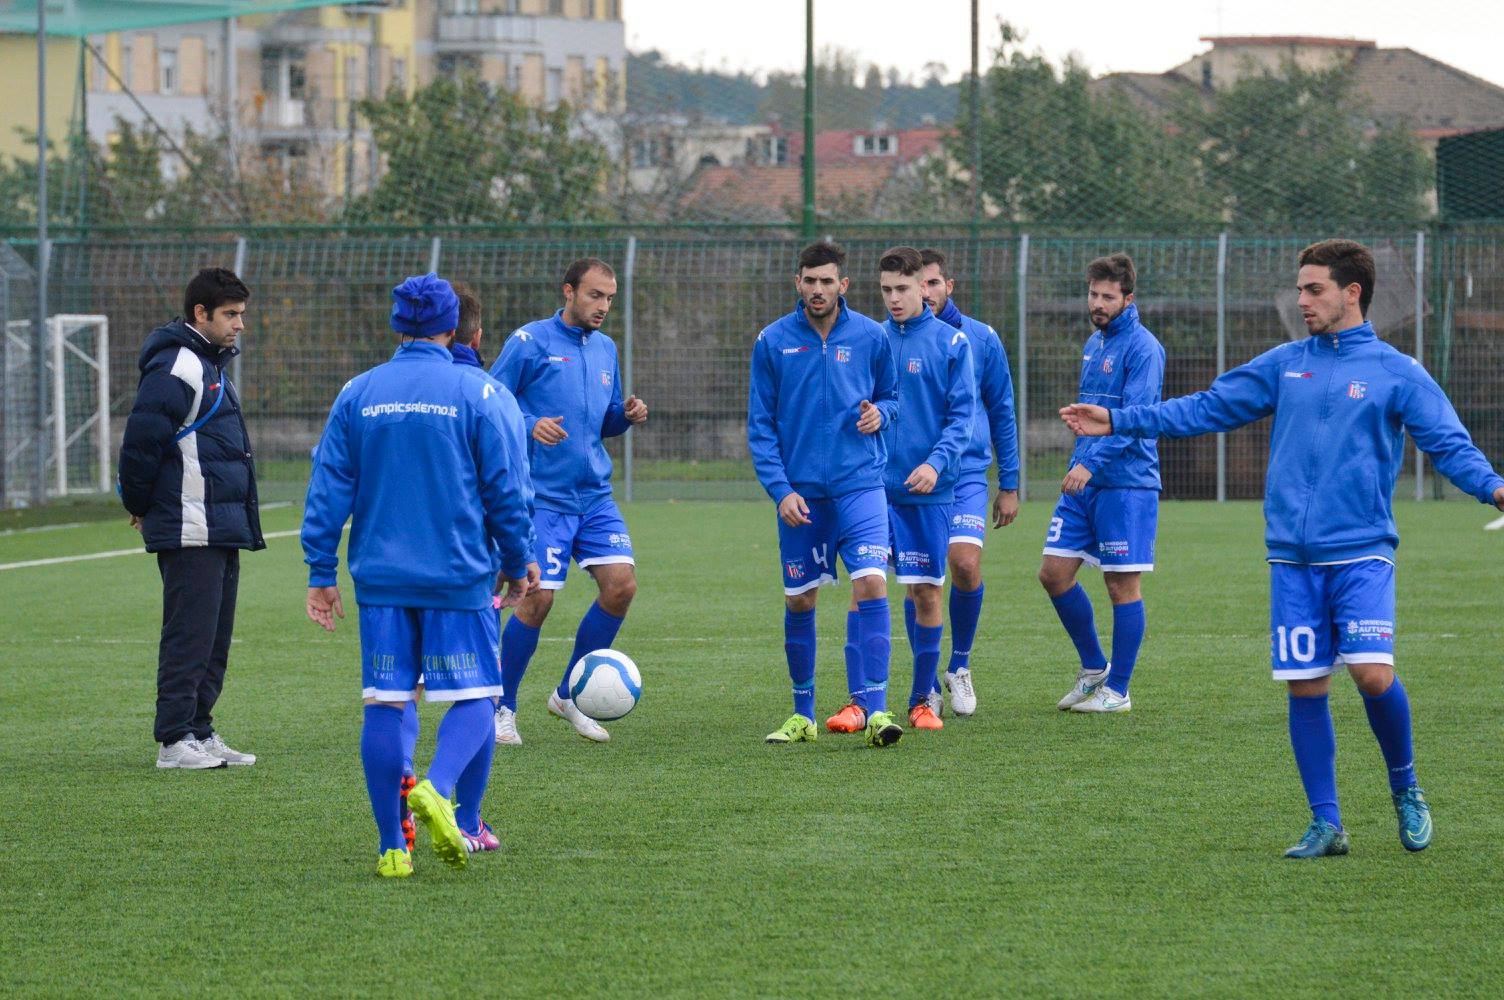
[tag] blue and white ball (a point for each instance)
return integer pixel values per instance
(605, 684)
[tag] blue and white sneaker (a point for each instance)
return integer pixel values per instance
(1103, 699)
(1414, 815)
(1087, 683)
(1322, 840)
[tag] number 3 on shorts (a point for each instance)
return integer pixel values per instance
(1056, 524)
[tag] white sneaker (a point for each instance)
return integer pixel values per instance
(506, 728)
(582, 723)
(1087, 682)
(217, 747)
(936, 703)
(187, 754)
(963, 698)
(1103, 699)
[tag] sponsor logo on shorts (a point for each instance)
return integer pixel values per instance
(1357, 390)
(1113, 548)
(970, 522)
(914, 366)
(843, 354)
(875, 551)
(794, 569)
(620, 539)
(1370, 628)
(914, 559)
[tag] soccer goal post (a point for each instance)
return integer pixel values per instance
(75, 433)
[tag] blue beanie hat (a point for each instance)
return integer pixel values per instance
(424, 306)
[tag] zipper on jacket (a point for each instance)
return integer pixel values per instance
(1314, 464)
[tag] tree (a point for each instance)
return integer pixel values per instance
(461, 152)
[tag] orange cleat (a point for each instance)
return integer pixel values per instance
(850, 719)
(921, 716)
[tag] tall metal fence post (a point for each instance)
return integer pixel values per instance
(631, 270)
(239, 269)
(434, 249)
(1420, 345)
(39, 358)
(1221, 357)
(5, 389)
(1023, 366)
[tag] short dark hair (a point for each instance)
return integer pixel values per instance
(929, 255)
(577, 270)
(211, 288)
(1114, 267)
(900, 260)
(1350, 263)
(820, 253)
(469, 320)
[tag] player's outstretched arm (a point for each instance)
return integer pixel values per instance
(330, 498)
(1432, 421)
(762, 426)
(1240, 396)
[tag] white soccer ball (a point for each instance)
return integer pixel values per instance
(605, 684)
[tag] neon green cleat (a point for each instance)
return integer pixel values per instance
(882, 731)
(437, 814)
(797, 730)
(395, 863)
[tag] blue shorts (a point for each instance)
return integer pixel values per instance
(1110, 528)
(968, 513)
(596, 538)
(455, 654)
(855, 525)
(921, 538)
(1322, 616)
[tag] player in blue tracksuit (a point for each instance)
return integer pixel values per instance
(416, 455)
(995, 434)
(937, 390)
(822, 390)
(1108, 511)
(564, 373)
(1342, 401)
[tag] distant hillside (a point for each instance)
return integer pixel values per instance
(847, 96)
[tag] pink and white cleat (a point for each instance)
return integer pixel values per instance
(485, 840)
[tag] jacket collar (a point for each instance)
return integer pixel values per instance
(950, 314)
(916, 323)
(422, 350)
(178, 333)
(1125, 321)
(464, 354)
(1360, 334)
(841, 315)
(573, 331)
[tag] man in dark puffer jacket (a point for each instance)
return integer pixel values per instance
(189, 482)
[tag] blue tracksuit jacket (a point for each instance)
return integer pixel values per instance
(937, 392)
(516, 435)
(804, 401)
(996, 430)
(417, 450)
(554, 369)
(1123, 365)
(1341, 404)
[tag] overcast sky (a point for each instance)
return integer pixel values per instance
(1142, 35)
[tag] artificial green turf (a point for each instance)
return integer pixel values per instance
(1021, 851)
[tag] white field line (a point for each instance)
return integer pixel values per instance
(88, 524)
(1494, 525)
(59, 560)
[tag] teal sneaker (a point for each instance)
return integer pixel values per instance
(1415, 818)
(1322, 840)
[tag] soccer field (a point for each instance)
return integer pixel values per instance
(1022, 851)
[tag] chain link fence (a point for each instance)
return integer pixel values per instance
(689, 309)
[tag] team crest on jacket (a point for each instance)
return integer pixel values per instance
(843, 354)
(1107, 364)
(1357, 390)
(914, 366)
(606, 379)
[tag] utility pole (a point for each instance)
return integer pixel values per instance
(809, 119)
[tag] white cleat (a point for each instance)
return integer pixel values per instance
(1087, 683)
(582, 723)
(506, 728)
(1103, 699)
(963, 698)
(216, 747)
(188, 755)
(936, 703)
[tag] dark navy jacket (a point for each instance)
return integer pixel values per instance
(1123, 365)
(1342, 403)
(191, 489)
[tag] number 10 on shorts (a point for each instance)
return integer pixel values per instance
(1298, 642)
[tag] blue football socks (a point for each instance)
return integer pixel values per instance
(1074, 609)
(1315, 744)
(597, 631)
(462, 732)
(875, 628)
(470, 790)
(1127, 636)
(910, 617)
(926, 660)
(381, 758)
(965, 612)
(518, 642)
(409, 736)
(1389, 717)
(799, 647)
(856, 681)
